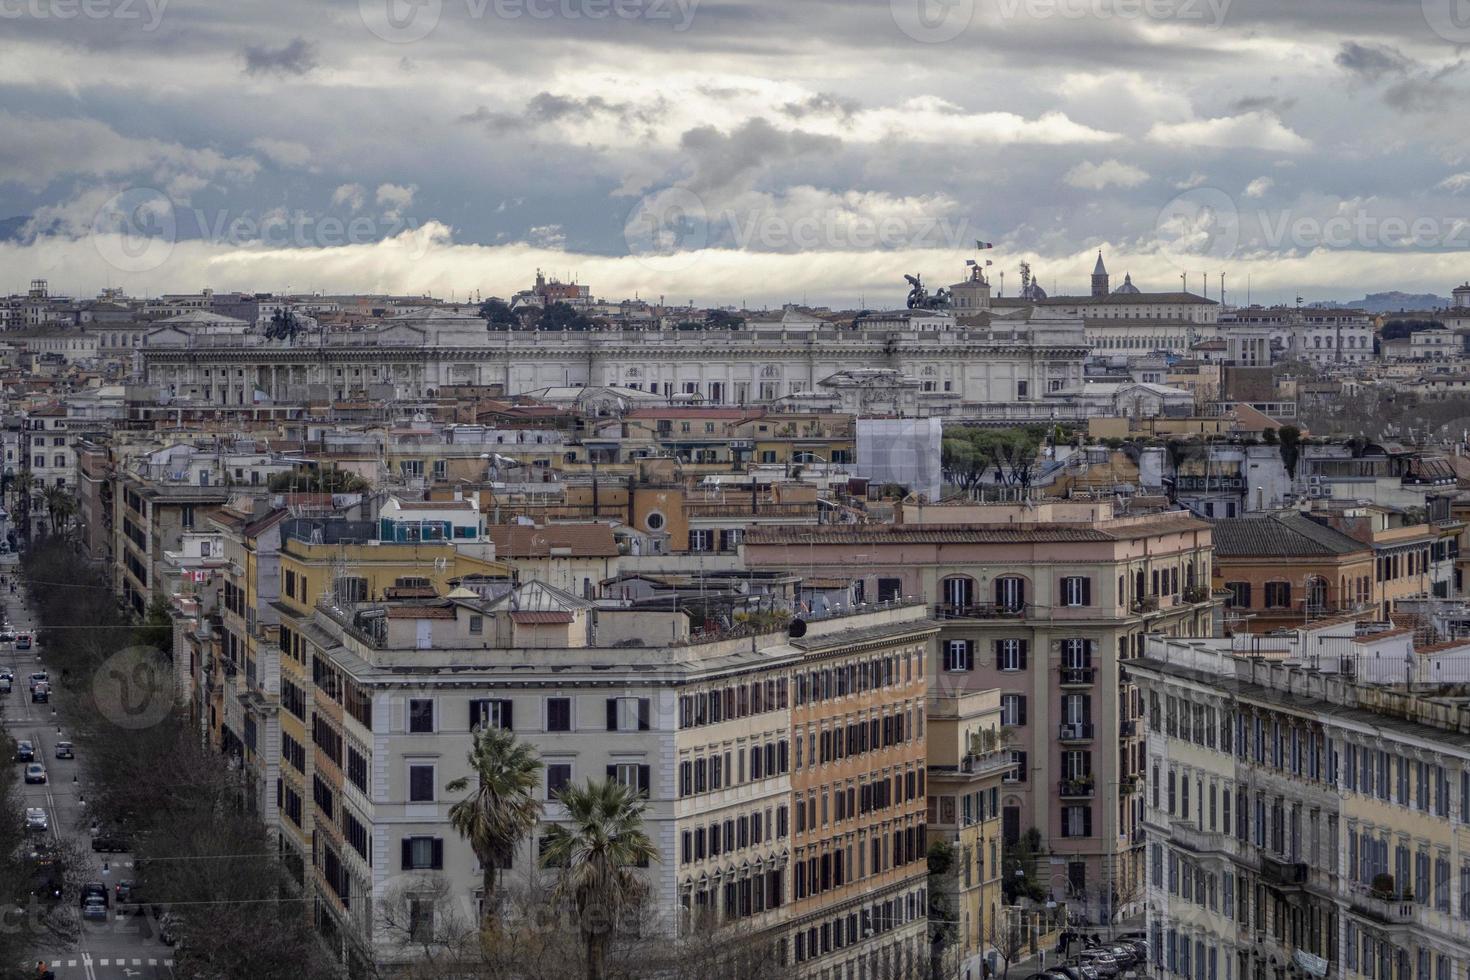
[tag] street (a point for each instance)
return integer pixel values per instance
(119, 947)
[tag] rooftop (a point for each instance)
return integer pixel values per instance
(1280, 535)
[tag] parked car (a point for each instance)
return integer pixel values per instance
(25, 751)
(7, 635)
(36, 820)
(111, 842)
(64, 750)
(7, 674)
(35, 773)
(5, 685)
(93, 890)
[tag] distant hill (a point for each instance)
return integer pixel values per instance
(1391, 302)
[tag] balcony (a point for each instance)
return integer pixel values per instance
(1191, 838)
(1128, 729)
(1149, 604)
(1283, 874)
(1197, 593)
(982, 610)
(1386, 908)
(981, 764)
(1077, 788)
(1078, 676)
(1076, 732)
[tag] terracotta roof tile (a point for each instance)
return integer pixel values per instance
(533, 618)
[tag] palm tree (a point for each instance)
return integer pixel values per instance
(60, 506)
(598, 853)
(503, 808)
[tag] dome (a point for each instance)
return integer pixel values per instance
(1127, 288)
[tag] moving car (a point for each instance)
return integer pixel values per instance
(7, 635)
(25, 751)
(64, 750)
(35, 773)
(94, 908)
(36, 819)
(93, 890)
(22, 641)
(5, 685)
(41, 693)
(7, 674)
(39, 677)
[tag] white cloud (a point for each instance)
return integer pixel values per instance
(352, 195)
(284, 153)
(1455, 183)
(1195, 179)
(1110, 173)
(1254, 130)
(54, 148)
(1259, 187)
(548, 236)
(395, 197)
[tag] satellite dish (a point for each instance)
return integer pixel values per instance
(797, 629)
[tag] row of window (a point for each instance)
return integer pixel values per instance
(858, 676)
(732, 701)
(867, 794)
(856, 736)
(1379, 959)
(733, 833)
(820, 873)
(622, 714)
(720, 770)
(860, 926)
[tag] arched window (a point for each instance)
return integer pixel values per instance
(958, 592)
(1010, 593)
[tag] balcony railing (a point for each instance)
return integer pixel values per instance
(1384, 907)
(979, 610)
(1077, 788)
(1192, 838)
(1076, 732)
(1078, 676)
(1148, 604)
(1197, 593)
(1275, 871)
(976, 764)
(1128, 729)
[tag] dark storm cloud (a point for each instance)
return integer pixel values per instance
(726, 161)
(1261, 103)
(1371, 62)
(545, 108)
(297, 57)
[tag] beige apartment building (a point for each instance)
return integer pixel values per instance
(384, 680)
(1047, 603)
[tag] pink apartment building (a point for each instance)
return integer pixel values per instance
(1046, 602)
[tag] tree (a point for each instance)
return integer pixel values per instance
(943, 933)
(157, 628)
(1006, 937)
(330, 479)
(61, 506)
(24, 485)
(1290, 438)
(598, 854)
(562, 316)
(1019, 862)
(498, 315)
(723, 320)
(502, 809)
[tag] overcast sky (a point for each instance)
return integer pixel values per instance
(734, 151)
